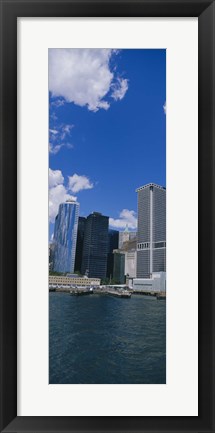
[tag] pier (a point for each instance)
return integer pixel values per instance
(108, 291)
(86, 291)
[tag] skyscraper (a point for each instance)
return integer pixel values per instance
(94, 259)
(123, 237)
(65, 236)
(113, 240)
(151, 234)
(119, 267)
(80, 243)
(126, 236)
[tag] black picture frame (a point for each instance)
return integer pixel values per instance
(10, 10)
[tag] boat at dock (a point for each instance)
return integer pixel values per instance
(81, 292)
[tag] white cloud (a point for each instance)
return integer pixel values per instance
(126, 218)
(67, 128)
(54, 149)
(57, 193)
(53, 131)
(78, 183)
(58, 135)
(119, 89)
(164, 107)
(53, 117)
(83, 76)
(55, 178)
(58, 103)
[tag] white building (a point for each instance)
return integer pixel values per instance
(130, 263)
(155, 284)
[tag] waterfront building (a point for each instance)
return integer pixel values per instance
(151, 233)
(95, 247)
(65, 236)
(72, 281)
(79, 244)
(157, 283)
(119, 267)
(113, 240)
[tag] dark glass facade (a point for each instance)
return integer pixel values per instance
(95, 247)
(119, 268)
(80, 244)
(113, 241)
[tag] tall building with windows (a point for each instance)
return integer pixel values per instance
(80, 244)
(113, 240)
(151, 233)
(119, 267)
(95, 248)
(65, 236)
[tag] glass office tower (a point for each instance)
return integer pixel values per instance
(113, 241)
(119, 267)
(95, 249)
(65, 236)
(151, 234)
(80, 244)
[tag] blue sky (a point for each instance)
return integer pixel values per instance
(107, 129)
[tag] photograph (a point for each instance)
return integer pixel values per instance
(107, 216)
(106, 108)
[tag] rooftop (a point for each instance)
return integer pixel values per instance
(70, 200)
(148, 185)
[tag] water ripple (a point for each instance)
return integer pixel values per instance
(105, 340)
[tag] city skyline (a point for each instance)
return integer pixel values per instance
(99, 248)
(104, 145)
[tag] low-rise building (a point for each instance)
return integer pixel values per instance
(73, 281)
(155, 284)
